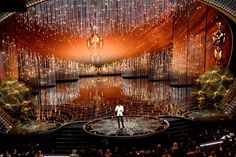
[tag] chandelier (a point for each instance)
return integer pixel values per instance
(127, 27)
(111, 17)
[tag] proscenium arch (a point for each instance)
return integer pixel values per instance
(223, 7)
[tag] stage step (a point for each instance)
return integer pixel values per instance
(73, 136)
(179, 129)
(70, 137)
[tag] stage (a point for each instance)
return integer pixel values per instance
(135, 126)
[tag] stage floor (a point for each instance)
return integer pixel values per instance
(135, 126)
(96, 97)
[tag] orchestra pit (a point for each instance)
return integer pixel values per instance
(117, 78)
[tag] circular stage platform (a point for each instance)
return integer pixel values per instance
(135, 126)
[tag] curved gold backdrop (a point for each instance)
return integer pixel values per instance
(188, 31)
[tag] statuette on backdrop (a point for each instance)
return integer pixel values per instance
(218, 41)
(94, 44)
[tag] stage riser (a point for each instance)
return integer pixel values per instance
(71, 137)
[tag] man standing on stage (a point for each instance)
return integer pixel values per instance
(119, 113)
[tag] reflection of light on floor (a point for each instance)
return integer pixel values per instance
(96, 97)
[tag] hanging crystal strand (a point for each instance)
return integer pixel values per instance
(121, 17)
(79, 14)
(100, 10)
(25, 64)
(163, 9)
(66, 17)
(154, 8)
(65, 70)
(50, 25)
(52, 71)
(47, 70)
(129, 19)
(152, 65)
(41, 69)
(160, 65)
(85, 18)
(116, 19)
(21, 65)
(109, 24)
(68, 22)
(70, 17)
(31, 79)
(155, 62)
(47, 73)
(120, 24)
(105, 18)
(193, 58)
(29, 66)
(105, 21)
(60, 70)
(6, 54)
(111, 15)
(74, 19)
(37, 16)
(97, 17)
(199, 55)
(152, 12)
(8, 57)
(41, 15)
(55, 16)
(72, 70)
(11, 57)
(46, 16)
(57, 68)
(196, 57)
(93, 14)
(44, 70)
(18, 64)
(82, 17)
(59, 14)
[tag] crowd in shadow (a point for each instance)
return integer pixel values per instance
(207, 143)
(182, 149)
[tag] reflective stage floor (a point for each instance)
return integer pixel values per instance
(96, 97)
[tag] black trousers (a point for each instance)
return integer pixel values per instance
(120, 119)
